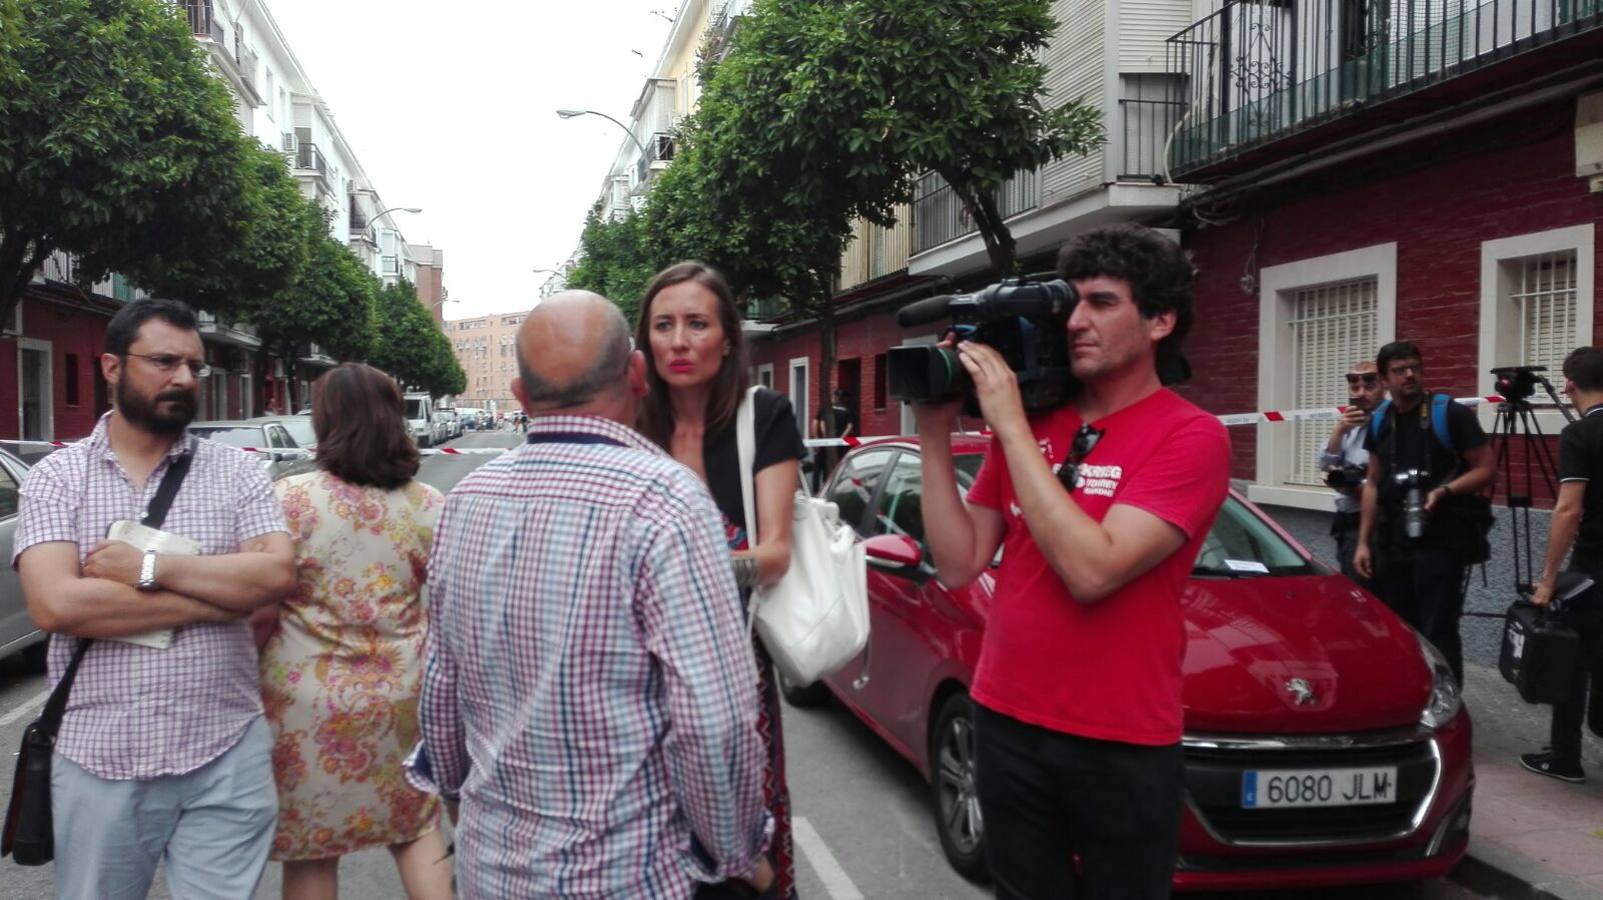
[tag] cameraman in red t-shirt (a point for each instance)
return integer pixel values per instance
(1101, 507)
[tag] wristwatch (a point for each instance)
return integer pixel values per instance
(147, 572)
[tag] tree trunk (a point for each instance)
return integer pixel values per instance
(999, 243)
(17, 268)
(981, 207)
(826, 365)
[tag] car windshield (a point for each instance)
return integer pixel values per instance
(1243, 545)
(233, 436)
(300, 428)
(414, 407)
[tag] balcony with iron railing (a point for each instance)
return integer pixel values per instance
(203, 20)
(877, 251)
(309, 161)
(1147, 125)
(939, 216)
(1259, 72)
(659, 151)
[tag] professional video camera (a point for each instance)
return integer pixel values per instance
(1517, 384)
(1023, 318)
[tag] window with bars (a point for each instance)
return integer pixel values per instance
(1332, 326)
(1543, 290)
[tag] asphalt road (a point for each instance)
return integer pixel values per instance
(862, 815)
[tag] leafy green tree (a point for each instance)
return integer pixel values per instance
(614, 260)
(116, 142)
(245, 269)
(411, 347)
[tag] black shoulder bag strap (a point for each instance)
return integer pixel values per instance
(28, 833)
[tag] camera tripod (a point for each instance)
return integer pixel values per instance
(1516, 418)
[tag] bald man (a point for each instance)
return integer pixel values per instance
(589, 695)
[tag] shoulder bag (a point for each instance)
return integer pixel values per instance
(29, 834)
(815, 620)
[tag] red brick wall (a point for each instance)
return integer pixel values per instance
(69, 331)
(861, 340)
(1437, 200)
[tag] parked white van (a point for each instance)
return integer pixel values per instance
(420, 418)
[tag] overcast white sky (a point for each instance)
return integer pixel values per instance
(450, 107)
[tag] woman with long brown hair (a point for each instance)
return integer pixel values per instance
(342, 668)
(689, 330)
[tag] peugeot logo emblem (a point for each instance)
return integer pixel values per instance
(1302, 691)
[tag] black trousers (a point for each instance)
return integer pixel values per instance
(1425, 587)
(1585, 615)
(1046, 795)
(1344, 528)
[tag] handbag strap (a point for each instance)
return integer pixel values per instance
(746, 441)
(155, 514)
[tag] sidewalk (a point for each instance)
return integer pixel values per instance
(1530, 836)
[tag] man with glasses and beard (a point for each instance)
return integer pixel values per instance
(1346, 462)
(1423, 447)
(1103, 505)
(163, 754)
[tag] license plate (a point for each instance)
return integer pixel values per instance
(1284, 788)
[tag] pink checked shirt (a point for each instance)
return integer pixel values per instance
(590, 690)
(136, 712)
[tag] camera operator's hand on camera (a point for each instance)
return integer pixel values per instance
(1362, 563)
(1353, 417)
(995, 386)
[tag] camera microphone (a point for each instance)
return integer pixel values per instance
(931, 310)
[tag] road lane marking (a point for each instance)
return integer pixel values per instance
(26, 707)
(836, 881)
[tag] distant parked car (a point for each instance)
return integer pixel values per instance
(453, 420)
(299, 428)
(442, 427)
(18, 634)
(280, 455)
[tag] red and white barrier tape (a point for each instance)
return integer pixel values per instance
(1316, 414)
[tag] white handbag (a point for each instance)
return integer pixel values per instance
(815, 620)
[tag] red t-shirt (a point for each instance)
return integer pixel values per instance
(1108, 670)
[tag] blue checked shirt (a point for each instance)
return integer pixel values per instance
(589, 691)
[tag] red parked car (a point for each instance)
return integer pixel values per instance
(1325, 741)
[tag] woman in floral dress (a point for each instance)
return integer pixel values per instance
(342, 668)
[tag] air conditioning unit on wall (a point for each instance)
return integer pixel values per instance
(1589, 140)
(289, 142)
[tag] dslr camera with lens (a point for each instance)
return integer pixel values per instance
(1023, 318)
(1347, 477)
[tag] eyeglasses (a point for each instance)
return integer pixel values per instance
(1370, 379)
(169, 363)
(1085, 440)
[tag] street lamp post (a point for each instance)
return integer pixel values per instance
(385, 212)
(571, 113)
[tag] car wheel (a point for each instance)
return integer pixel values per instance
(955, 798)
(801, 696)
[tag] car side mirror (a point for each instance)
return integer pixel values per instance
(894, 552)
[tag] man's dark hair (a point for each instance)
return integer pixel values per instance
(1157, 270)
(360, 422)
(125, 325)
(1584, 366)
(1394, 351)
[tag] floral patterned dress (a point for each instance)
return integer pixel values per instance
(341, 674)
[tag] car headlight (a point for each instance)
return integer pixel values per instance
(1445, 699)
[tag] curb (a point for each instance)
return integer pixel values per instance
(1483, 877)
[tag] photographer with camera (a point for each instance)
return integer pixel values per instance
(1101, 504)
(1421, 525)
(1346, 462)
(1578, 521)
